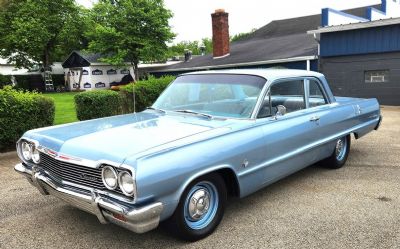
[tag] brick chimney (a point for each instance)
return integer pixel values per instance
(220, 27)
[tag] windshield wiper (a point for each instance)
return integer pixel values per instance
(156, 109)
(195, 113)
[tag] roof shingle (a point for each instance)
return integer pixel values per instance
(280, 39)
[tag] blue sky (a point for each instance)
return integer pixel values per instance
(192, 20)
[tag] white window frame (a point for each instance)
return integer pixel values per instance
(376, 76)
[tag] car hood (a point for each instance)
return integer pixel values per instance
(115, 138)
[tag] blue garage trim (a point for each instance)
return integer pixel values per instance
(384, 6)
(361, 41)
(370, 10)
(325, 16)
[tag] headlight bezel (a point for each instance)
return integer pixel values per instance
(120, 183)
(114, 172)
(33, 146)
(35, 155)
(23, 145)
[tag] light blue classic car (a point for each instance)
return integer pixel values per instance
(210, 135)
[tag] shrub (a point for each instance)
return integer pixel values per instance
(21, 111)
(97, 104)
(146, 92)
(23, 82)
(58, 80)
(4, 80)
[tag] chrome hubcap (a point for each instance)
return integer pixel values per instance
(199, 204)
(340, 149)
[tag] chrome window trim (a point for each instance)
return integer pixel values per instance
(253, 115)
(276, 81)
(305, 88)
(260, 99)
(321, 87)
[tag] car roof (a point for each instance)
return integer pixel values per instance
(268, 74)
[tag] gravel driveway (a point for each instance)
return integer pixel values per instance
(357, 206)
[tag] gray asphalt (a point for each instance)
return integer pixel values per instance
(357, 206)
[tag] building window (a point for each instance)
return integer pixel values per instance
(376, 76)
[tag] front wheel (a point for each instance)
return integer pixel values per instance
(200, 209)
(339, 155)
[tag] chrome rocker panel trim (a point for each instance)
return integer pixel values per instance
(138, 220)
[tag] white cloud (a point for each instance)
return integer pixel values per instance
(192, 20)
(86, 3)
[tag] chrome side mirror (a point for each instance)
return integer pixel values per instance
(281, 110)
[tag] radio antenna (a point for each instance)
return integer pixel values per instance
(134, 100)
(134, 96)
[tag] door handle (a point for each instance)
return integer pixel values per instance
(314, 119)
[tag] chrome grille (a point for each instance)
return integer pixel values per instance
(74, 173)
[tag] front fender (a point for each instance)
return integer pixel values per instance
(169, 185)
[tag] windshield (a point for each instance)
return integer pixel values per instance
(224, 95)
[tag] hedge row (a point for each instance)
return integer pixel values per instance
(21, 111)
(97, 104)
(146, 92)
(31, 82)
(103, 103)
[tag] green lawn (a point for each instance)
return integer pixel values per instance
(65, 107)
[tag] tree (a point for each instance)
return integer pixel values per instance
(207, 42)
(39, 31)
(130, 30)
(3, 3)
(241, 36)
(178, 49)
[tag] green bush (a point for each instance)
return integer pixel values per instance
(21, 111)
(97, 104)
(58, 80)
(4, 80)
(146, 92)
(23, 82)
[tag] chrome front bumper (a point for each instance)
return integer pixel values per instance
(138, 220)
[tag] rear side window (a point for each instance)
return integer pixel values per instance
(288, 93)
(316, 95)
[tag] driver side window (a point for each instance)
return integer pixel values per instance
(288, 93)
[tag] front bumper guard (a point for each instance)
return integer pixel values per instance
(138, 220)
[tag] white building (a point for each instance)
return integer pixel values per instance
(86, 72)
(10, 69)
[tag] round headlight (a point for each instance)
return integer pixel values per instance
(26, 149)
(35, 155)
(126, 183)
(110, 178)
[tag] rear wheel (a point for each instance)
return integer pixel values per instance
(339, 155)
(200, 209)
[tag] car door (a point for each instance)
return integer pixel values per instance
(329, 119)
(286, 137)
